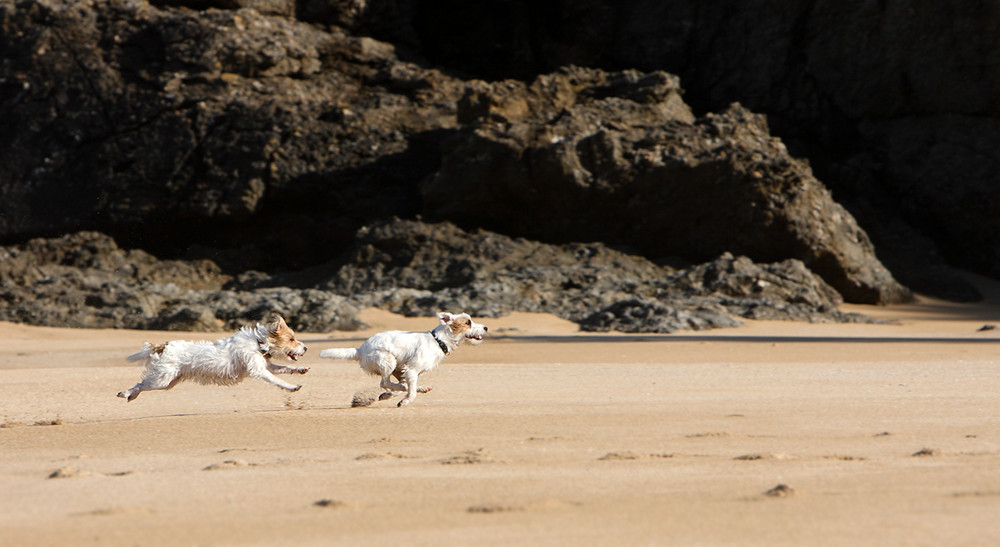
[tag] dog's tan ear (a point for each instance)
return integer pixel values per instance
(278, 323)
(445, 317)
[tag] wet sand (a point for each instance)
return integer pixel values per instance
(774, 433)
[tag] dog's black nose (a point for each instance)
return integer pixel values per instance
(485, 328)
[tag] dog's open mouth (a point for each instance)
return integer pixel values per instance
(476, 337)
(293, 356)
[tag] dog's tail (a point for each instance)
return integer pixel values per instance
(147, 350)
(341, 353)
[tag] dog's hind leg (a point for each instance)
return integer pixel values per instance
(410, 377)
(398, 375)
(149, 383)
(383, 364)
(132, 393)
(386, 383)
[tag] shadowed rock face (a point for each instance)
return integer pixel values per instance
(416, 268)
(227, 129)
(413, 268)
(86, 280)
(622, 160)
(896, 111)
(265, 143)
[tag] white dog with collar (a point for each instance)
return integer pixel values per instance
(405, 355)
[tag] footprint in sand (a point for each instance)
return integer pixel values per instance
(978, 494)
(626, 455)
(780, 491)
(331, 504)
(57, 421)
(382, 456)
(228, 464)
(629, 455)
(292, 405)
(70, 472)
(114, 511)
(542, 505)
(845, 458)
(470, 457)
(765, 456)
(712, 434)
(493, 509)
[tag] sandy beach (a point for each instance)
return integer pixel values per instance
(774, 433)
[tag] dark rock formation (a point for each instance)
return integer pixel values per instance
(619, 158)
(169, 127)
(896, 109)
(85, 280)
(418, 268)
(263, 142)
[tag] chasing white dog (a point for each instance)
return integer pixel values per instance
(404, 355)
(226, 362)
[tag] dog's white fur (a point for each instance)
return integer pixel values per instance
(226, 361)
(405, 355)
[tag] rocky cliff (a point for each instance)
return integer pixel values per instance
(894, 103)
(263, 135)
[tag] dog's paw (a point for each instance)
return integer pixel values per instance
(122, 394)
(296, 388)
(424, 389)
(404, 402)
(384, 395)
(302, 370)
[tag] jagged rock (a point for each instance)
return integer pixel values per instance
(598, 165)
(644, 315)
(268, 142)
(413, 268)
(85, 280)
(417, 268)
(92, 251)
(270, 7)
(895, 111)
(738, 277)
(171, 123)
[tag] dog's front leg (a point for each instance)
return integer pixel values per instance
(257, 366)
(274, 380)
(282, 369)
